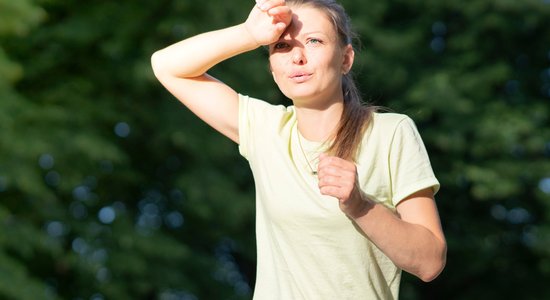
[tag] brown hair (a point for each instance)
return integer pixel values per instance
(356, 116)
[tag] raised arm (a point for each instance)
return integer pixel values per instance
(182, 67)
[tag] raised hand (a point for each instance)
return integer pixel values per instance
(338, 178)
(268, 20)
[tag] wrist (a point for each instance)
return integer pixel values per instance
(360, 206)
(247, 34)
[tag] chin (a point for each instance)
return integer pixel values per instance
(298, 94)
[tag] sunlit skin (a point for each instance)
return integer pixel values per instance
(307, 61)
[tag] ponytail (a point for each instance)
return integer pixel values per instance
(355, 118)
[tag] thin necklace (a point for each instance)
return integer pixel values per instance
(313, 172)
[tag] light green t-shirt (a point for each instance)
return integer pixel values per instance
(307, 248)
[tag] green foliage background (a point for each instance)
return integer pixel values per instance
(110, 189)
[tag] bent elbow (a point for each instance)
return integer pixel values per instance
(161, 67)
(436, 266)
(155, 64)
(433, 272)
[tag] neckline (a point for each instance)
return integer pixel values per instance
(308, 152)
(309, 145)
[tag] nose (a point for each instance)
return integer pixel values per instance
(298, 56)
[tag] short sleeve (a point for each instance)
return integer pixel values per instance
(258, 121)
(244, 125)
(410, 167)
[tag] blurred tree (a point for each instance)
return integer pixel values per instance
(111, 190)
(105, 193)
(20, 239)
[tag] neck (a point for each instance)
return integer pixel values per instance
(319, 124)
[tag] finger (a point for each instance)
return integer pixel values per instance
(332, 191)
(280, 27)
(329, 191)
(330, 170)
(345, 184)
(282, 17)
(268, 4)
(325, 180)
(279, 11)
(334, 160)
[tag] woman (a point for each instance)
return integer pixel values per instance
(345, 195)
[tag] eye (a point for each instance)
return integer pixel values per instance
(280, 45)
(314, 41)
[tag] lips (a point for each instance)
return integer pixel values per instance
(300, 76)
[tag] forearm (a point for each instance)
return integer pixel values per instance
(411, 247)
(192, 57)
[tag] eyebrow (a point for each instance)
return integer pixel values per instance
(314, 32)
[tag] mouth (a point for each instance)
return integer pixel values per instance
(300, 76)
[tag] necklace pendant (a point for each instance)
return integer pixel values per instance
(306, 158)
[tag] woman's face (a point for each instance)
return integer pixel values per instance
(308, 60)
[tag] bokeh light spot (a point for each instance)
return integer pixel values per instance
(122, 129)
(46, 161)
(437, 44)
(544, 185)
(78, 210)
(174, 220)
(55, 229)
(498, 212)
(80, 246)
(81, 193)
(103, 275)
(106, 215)
(97, 296)
(518, 215)
(177, 295)
(52, 178)
(439, 28)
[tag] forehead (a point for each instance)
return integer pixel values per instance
(308, 19)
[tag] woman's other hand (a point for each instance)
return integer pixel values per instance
(338, 178)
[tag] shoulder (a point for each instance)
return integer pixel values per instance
(253, 108)
(389, 119)
(388, 123)
(262, 122)
(261, 115)
(255, 103)
(386, 129)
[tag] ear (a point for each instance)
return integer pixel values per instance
(349, 56)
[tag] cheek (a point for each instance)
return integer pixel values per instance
(336, 67)
(337, 62)
(274, 77)
(275, 69)
(273, 74)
